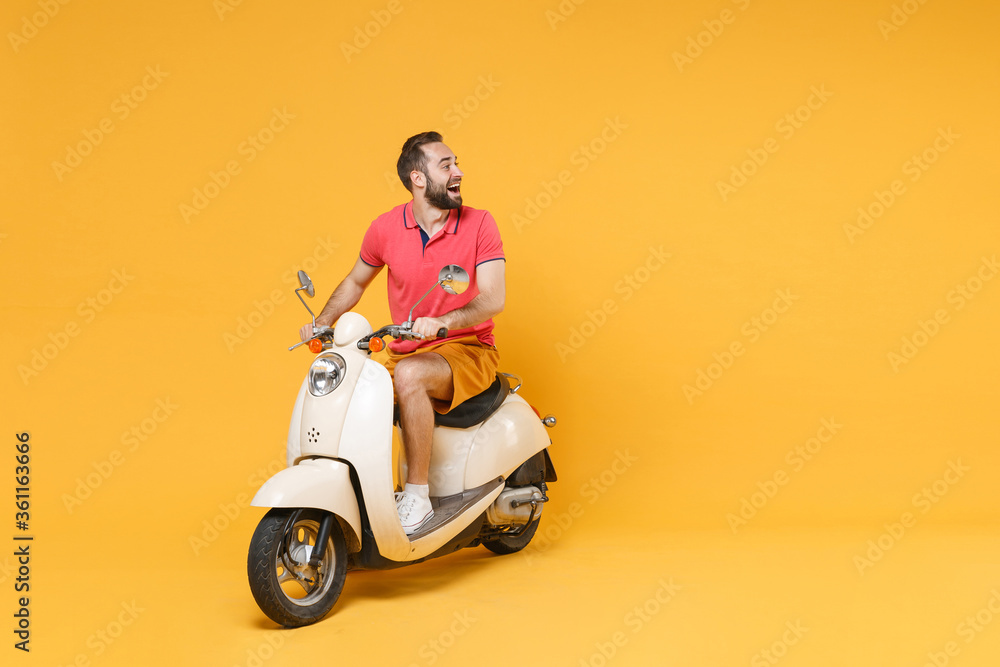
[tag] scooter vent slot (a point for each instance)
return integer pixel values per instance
(312, 435)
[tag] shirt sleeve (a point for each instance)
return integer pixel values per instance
(489, 246)
(371, 246)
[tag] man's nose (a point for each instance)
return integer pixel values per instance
(457, 172)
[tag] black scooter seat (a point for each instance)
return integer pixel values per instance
(474, 410)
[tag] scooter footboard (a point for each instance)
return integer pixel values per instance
(320, 483)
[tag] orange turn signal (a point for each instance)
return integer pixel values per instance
(376, 344)
(316, 346)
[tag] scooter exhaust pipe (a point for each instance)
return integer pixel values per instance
(518, 505)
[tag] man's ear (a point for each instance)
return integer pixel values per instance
(417, 178)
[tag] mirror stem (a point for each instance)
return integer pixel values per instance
(306, 305)
(410, 318)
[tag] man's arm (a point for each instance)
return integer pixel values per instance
(491, 280)
(345, 297)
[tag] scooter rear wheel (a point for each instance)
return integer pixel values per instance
(287, 589)
(507, 544)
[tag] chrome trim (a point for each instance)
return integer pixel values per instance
(512, 376)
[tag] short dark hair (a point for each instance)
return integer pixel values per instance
(412, 156)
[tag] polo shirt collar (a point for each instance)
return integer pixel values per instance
(450, 227)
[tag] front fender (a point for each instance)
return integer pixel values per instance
(320, 483)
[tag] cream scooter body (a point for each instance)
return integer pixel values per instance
(353, 425)
(340, 458)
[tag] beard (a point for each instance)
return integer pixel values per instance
(438, 197)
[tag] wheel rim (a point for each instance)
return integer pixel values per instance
(300, 583)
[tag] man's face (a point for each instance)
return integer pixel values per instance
(443, 187)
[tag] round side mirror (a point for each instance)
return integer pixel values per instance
(306, 283)
(453, 279)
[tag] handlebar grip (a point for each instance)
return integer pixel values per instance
(442, 333)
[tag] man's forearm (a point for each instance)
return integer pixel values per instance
(475, 312)
(345, 297)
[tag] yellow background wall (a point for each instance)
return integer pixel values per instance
(662, 174)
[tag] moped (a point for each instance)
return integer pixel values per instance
(333, 507)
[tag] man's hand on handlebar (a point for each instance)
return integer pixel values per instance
(429, 327)
(307, 332)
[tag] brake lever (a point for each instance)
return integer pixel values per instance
(405, 332)
(400, 331)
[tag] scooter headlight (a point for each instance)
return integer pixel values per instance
(326, 372)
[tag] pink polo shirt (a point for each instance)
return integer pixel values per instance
(469, 238)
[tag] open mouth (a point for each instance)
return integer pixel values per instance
(455, 187)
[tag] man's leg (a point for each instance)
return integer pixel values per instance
(420, 379)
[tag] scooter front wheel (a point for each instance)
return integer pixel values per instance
(287, 588)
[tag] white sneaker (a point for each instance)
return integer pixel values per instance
(413, 511)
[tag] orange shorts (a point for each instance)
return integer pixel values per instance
(473, 367)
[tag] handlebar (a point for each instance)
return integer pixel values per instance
(399, 332)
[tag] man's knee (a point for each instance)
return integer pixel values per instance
(406, 376)
(419, 374)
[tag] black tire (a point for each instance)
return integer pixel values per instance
(286, 589)
(508, 544)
